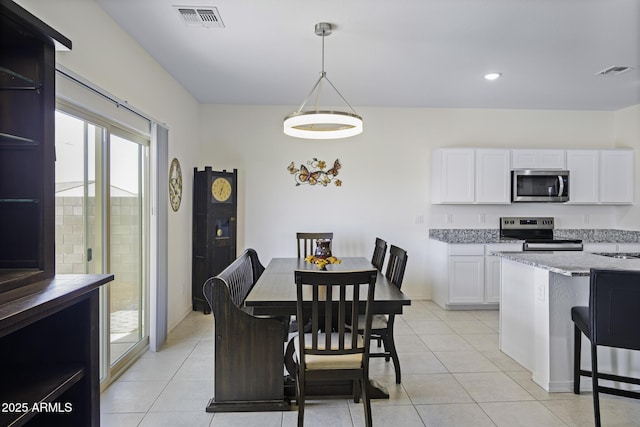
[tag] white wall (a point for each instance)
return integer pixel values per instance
(385, 174)
(106, 56)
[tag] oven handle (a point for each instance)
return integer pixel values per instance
(561, 189)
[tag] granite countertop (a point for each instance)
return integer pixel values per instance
(570, 263)
(492, 235)
(469, 235)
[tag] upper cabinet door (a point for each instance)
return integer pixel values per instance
(537, 159)
(492, 176)
(453, 175)
(583, 175)
(616, 176)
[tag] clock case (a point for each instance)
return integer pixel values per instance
(214, 239)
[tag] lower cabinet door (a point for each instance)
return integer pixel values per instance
(466, 279)
(492, 278)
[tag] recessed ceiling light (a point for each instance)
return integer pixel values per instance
(492, 76)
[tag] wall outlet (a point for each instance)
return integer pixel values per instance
(482, 218)
(419, 219)
(586, 219)
(449, 218)
(540, 294)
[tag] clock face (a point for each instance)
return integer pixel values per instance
(221, 189)
(175, 185)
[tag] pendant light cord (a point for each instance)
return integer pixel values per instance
(318, 85)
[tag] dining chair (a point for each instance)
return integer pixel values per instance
(379, 253)
(327, 353)
(610, 320)
(382, 324)
(307, 242)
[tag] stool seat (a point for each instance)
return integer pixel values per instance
(580, 316)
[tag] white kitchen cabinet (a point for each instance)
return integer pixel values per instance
(453, 175)
(611, 247)
(600, 176)
(600, 247)
(468, 176)
(616, 176)
(628, 247)
(492, 279)
(466, 276)
(583, 176)
(492, 178)
(537, 159)
(466, 279)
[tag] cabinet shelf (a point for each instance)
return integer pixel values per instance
(30, 386)
(30, 83)
(6, 139)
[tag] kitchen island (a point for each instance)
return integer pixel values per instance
(538, 291)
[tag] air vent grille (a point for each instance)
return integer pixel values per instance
(200, 16)
(614, 70)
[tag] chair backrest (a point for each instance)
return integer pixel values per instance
(396, 265)
(307, 242)
(241, 275)
(343, 288)
(614, 308)
(379, 253)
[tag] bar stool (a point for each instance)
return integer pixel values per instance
(610, 320)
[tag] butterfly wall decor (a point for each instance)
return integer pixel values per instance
(314, 173)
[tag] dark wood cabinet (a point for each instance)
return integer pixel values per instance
(49, 343)
(27, 144)
(49, 326)
(215, 208)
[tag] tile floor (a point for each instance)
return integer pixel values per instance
(452, 375)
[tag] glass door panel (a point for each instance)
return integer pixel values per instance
(126, 291)
(79, 201)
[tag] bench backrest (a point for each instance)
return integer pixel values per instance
(241, 275)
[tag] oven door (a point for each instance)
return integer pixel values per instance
(539, 186)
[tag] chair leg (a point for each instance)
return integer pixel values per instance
(577, 344)
(594, 379)
(390, 348)
(300, 399)
(367, 403)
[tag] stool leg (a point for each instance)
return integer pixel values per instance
(577, 344)
(594, 379)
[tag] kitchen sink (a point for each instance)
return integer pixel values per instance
(620, 255)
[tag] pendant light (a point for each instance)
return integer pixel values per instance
(322, 124)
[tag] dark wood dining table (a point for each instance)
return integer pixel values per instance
(274, 294)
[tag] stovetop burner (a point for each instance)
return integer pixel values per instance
(537, 233)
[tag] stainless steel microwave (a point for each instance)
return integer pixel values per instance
(532, 185)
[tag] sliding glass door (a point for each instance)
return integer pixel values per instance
(101, 225)
(127, 308)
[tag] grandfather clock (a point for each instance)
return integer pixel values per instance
(215, 208)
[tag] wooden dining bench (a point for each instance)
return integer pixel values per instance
(249, 358)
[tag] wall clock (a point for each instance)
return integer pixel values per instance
(175, 184)
(221, 189)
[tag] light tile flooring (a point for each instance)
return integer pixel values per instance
(452, 375)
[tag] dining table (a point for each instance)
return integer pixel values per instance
(274, 294)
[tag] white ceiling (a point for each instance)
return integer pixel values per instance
(404, 53)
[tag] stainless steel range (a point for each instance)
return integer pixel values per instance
(537, 233)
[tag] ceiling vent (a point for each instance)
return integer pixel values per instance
(615, 70)
(200, 16)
